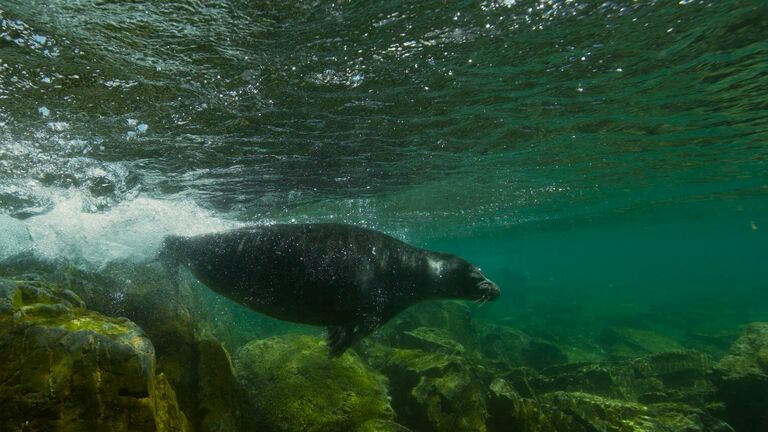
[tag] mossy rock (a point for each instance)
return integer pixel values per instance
(219, 394)
(432, 391)
(452, 317)
(294, 386)
(502, 343)
(627, 342)
(378, 425)
(68, 369)
(510, 412)
(676, 376)
(562, 411)
(606, 414)
(742, 380)
(431, 339)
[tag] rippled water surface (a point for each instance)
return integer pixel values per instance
(549, 137)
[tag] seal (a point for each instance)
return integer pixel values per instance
(347, 278)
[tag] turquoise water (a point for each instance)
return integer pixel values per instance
(612, 150)
(603, 161)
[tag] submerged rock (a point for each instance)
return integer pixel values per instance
(511, 412)
(582, 412)
(68, 369)
(378, 425)
(503, 344)
(626, 342)
(677, 376)
(294, 386)
(193, 362)
(432, 391)
(596, 413)
(451, 317)
(431, 339)
(742, 380)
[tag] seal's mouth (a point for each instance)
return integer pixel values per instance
(488, 291)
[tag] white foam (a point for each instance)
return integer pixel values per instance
(14, 237)
(131, 230)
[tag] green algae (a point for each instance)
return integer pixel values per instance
(70, 370)
(306, 390)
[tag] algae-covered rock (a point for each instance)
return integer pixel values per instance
(68, 369)
(378, 425)
(452, 317)
(540, 354)
(626, 342)
(511, 412)
(676, 376)
(431, 339)
(742, 380)
(432, 391)
(294, 386)
(561, 411)
(219, 395)
(503, 344)
(596, 413)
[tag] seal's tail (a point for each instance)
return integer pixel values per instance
(169, 256)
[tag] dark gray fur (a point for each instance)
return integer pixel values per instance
(347, 278)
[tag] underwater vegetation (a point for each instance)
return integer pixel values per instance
(122, 351)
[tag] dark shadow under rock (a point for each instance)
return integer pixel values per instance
(742, 380)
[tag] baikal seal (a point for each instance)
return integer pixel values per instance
(347, 278)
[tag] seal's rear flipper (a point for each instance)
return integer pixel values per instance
(168, 256)
(339, 339)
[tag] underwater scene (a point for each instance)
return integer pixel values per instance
(384, 216)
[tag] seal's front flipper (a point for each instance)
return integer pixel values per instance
(339, 339)
(342, 337)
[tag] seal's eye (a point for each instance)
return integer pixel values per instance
(475, 273)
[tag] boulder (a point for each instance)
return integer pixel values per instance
(69, 369)
(431, 339)
(511, 412)
(742, 380)
(220, 398)
(561, 411)
(186, 354)
(452, 317)
(676, 376)
(627, 342)
(294, 386)
(432, 391)
(596, 413)
(378, 425)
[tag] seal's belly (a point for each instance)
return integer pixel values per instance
(294, 297)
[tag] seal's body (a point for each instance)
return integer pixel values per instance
(347, 278)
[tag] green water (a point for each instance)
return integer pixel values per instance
(669, 276)
(580, 152)
(610, 151)
(603, 161)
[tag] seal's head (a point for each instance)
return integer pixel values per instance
(466, 281)
(475, 286)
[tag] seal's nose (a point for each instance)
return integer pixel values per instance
(489, 290)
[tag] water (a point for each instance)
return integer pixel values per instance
(604, 162)
(426, 120)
